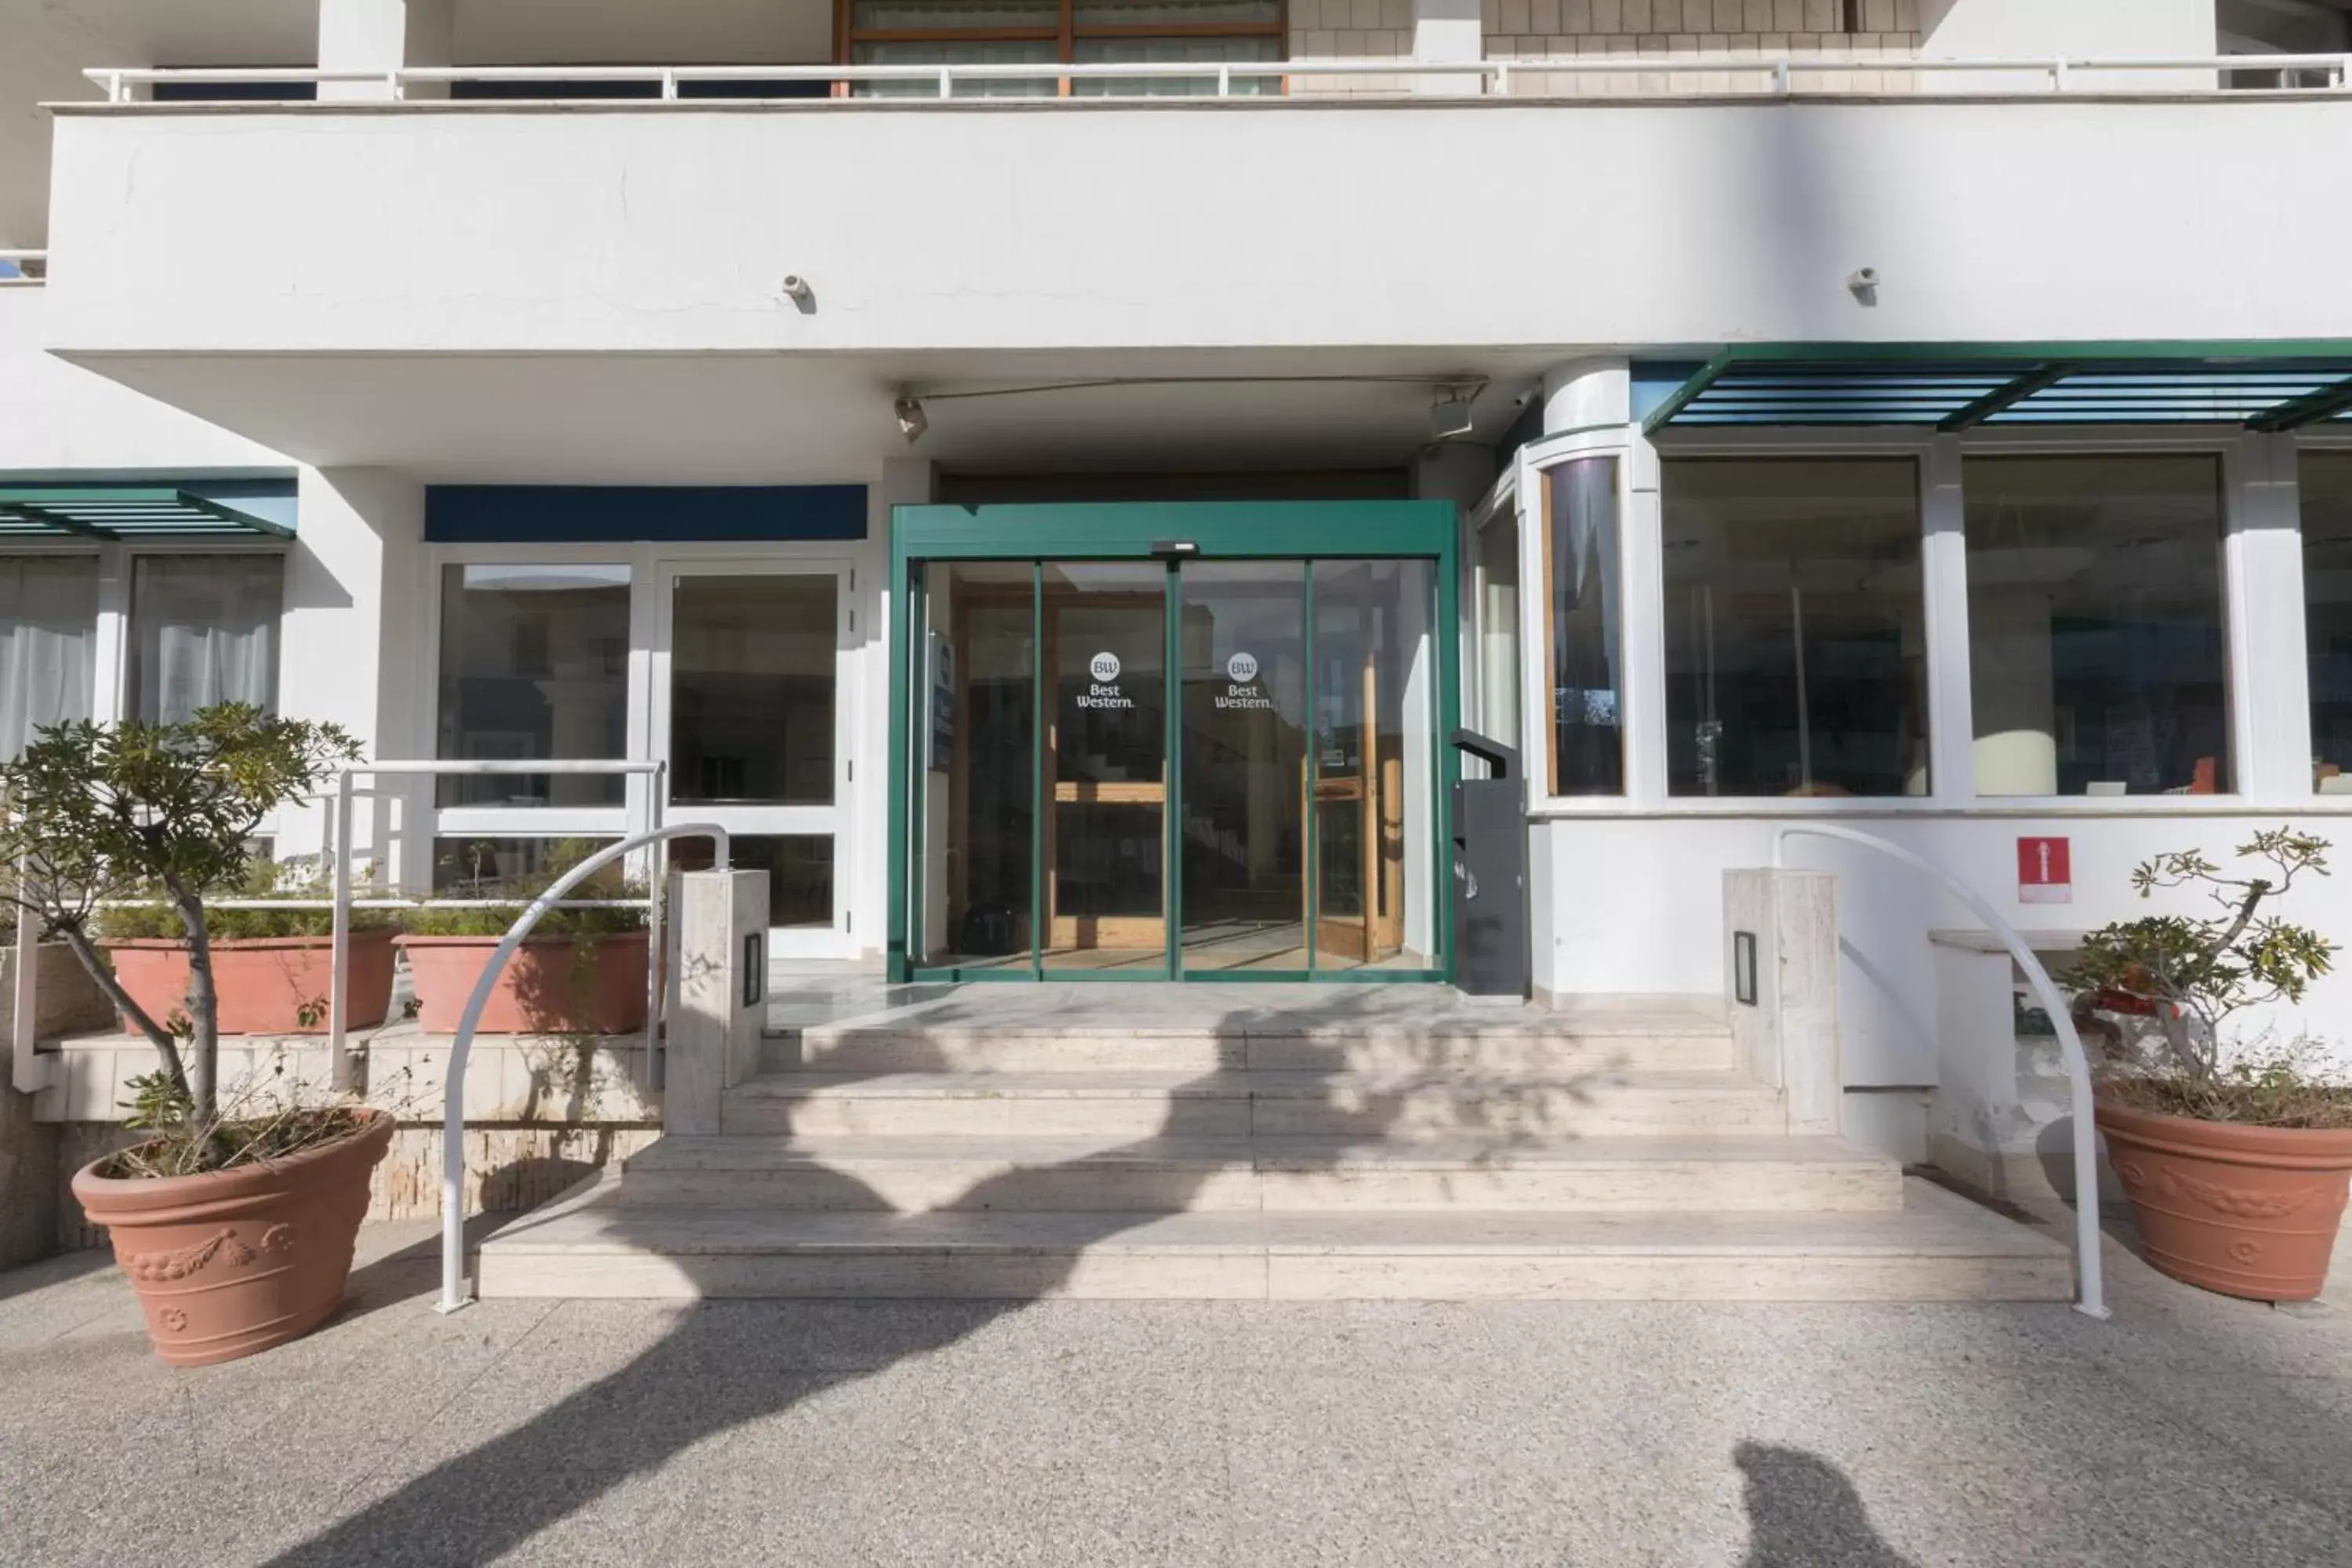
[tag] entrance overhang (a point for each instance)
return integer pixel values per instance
(2268, 385)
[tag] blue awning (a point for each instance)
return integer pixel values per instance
(2261, 385)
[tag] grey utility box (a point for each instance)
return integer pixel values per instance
(1491, 959)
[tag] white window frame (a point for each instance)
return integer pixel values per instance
(833, 820)
(1641, 656)
(1944, 577)
(654, 568)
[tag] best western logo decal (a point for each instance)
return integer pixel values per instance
(1104, 692)
(1244, 691)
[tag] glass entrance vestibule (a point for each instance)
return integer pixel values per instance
(1171, 742)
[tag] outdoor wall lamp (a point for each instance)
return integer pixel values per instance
(912, 420)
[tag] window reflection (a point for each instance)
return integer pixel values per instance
(534, 665)
(2096, 660)
(1796, 650)
(2328, 615)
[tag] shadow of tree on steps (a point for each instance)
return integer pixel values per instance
(718, 1369)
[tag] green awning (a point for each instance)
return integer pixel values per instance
(141, 513)
(2262, 386)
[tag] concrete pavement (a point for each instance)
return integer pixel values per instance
(2190, 1430)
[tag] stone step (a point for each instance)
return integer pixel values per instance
(1938, 1248)
(1701, 1045)
(1137, 1105)
(911, 1175)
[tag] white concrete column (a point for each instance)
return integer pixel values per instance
(2270, 673)
(1951, 741)
(383, 36)
(1787, 1037)
(713, 1041)
(355, 651)
(1587, 394)
(1448, 31)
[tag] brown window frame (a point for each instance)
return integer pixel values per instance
(846, 36)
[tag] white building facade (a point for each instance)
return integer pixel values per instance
(1055, 516)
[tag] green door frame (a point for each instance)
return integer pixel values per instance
(1220, 530)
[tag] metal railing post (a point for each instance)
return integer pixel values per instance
(339, 950)
(453, 1086)
(2090, 1274)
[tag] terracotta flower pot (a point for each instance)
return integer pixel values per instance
(232, 1262)
(2246, 1211)
(265, 983)
(544, 989)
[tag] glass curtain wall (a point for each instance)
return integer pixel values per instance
(534, 664)
(1585, 631)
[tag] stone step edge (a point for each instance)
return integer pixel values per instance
(760, 1154)
(1239, 1083)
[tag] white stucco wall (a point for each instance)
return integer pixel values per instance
(459, 229)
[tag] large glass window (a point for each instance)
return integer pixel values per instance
(751, 690)
(204, 629)
(1086, 32)
(2096, 659)
(49, 635)
(1796, 652)
(534, 665)
(1583, 635)
(2328, 615)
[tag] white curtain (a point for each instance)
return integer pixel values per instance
(204, 629)
(48, 642)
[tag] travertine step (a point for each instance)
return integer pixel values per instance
(917, 1174)
(1939, 1247)
(1696, 1045)
(1135, 1105)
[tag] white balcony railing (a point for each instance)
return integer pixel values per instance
(1691, 76)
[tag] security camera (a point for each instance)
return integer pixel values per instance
(1522, 398)
(797, 290)
(1863, 279)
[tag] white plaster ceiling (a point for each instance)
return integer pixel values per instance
(754, 419)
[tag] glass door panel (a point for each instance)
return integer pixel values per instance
(748, 711)
(1373, 765)
(1244, 765)
(1104, 794)
(977, 765)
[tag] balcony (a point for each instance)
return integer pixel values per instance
(953, 236)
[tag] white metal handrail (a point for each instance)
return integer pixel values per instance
(2092, 1301)
(2050, 74)
(453, 1086)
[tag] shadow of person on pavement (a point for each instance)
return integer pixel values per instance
(1803, 1512)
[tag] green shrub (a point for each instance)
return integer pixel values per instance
(263, 880)
(514, 892)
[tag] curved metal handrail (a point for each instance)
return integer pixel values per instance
(453, 1091)
(2092, 1301)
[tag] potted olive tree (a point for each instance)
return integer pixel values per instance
(235, 1216)
(2235, 1158)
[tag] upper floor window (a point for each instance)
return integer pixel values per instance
(1052, 32)
(2096, 659)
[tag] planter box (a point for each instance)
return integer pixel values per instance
(265, 983)
(545, 989)
(68, 1001)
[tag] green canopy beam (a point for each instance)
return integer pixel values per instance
(116, 513)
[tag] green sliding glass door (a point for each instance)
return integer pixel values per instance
(1178, 767)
